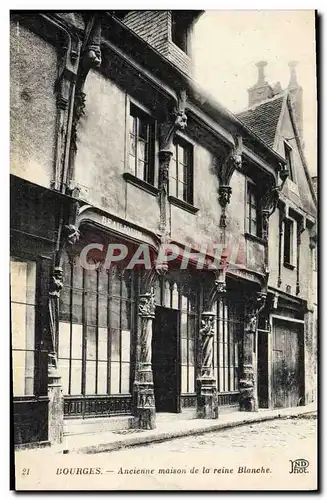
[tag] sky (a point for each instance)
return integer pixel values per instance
(227, 44)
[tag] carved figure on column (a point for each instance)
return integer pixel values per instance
(207, 402)
(55, 288)
(206, 335)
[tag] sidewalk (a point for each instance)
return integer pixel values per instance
(116, 440)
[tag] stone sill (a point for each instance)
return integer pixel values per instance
(289, 266)
(257, 239)
(183, 205)
(140, 183)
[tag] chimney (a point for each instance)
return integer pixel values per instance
(295, 92)
(261, 90)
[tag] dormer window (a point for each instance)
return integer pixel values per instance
(289, 160)
(179, 31)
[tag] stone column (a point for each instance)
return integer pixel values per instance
(248, 380)
(207, 403)
(145, 411)
(56, 400)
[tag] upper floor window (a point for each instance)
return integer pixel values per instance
(289, 160)
(179, 31)
(141, 144)
(252, 211)
(289, 242)
(181, 172)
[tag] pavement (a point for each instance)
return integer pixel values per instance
(166, 429)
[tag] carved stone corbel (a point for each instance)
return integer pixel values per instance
(90, 58)
(176, 120)
(226, 165)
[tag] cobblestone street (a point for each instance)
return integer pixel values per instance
(274, 436)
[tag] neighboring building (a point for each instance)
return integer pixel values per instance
(277, 117)
(112, 143)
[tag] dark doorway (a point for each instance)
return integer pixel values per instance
(165, 360)
(263, 381)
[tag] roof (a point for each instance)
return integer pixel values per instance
(263, 118)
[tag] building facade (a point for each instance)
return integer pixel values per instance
(145, 220)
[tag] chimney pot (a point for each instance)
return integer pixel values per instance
(261, 71)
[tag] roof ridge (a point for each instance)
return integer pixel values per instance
(283, 93)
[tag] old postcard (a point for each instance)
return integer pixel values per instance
(163, 258)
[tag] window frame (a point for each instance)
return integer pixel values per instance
(252, 190)
(288, 153)
(290, 238)
(136, 111)
(181, 142)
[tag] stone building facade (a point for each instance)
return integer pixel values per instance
(114, 146)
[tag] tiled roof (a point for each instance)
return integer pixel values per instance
(263, 119)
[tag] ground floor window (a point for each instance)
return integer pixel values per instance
(96, 323)
(226, 346)
(23, 280)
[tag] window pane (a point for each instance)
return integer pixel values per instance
(115, 313)
(103, 282)
(77, 336)
(63, 367)
(64, 304)
(18, 372)
(184, 379)
(91, 343)
(125, 345)
(18, 325)
(191, 381)
(102, 377)
(191, 327)
(142, 147)
(143, 130)
(191, 351)
(115, 345)
(132, 125)
(90, 377)
(64, 340)
(77, 274)
(18, 281)
(125, 378)
(184, 351)
(103, 344)
(184, 325)
(114, 378)
(77, 309)
(180, 190)
(172, 186)
(76, 375)
(141, 169)
(175, 297)
(125, 315)
(103, 312)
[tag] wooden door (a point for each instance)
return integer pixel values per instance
(166, 360)
(287, 355)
